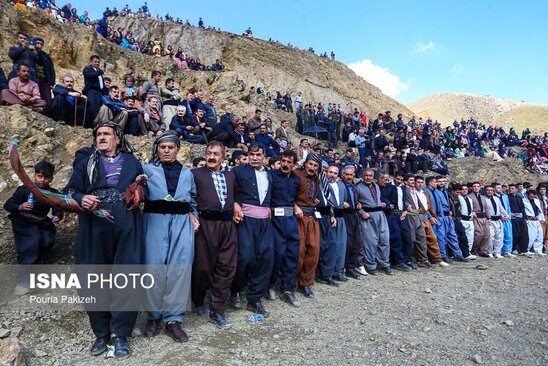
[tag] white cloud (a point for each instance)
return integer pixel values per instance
(457, 69)
(425, 47)
(379, 76)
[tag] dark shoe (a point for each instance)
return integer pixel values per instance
(235, 300)
(446, 260)
(99, 346)
(257, 307)
(151, 329)
(290, 298)
(403, 267)
(272, 294)
(425, 264)
(328, 281)
(200, 311)
(219, 320)
(413, 265)
(372, 272)
(175, 331)
(389, 271)
(121, 347)
(307, 292)
(340, 277)
(484, 255)
(353, 274)
(461, 259)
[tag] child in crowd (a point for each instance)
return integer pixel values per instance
(33, 230)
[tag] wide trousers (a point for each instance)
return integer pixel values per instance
(328, 248)
(353, 240)
(432, 245)
(309, 250)
(286, 252)
(255, 257)
(481, 236)
(520, 235)
(536, 236)
(376, 241)
(215, 260)
(496, 238)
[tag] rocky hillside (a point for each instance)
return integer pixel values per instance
(249, 62)
(446, 107)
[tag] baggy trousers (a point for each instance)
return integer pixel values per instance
(376, 240)
(353, 240)
(481, 235)
(340, 241)
(461, 237)
(396, 244)
(449, 238)
(255, 257)
(413, 229)
(534, 230)
(215, 260)
(309, 250)
(520, 236)
(286, 252)
(496, 238)
(432, 245)
(469, 230)
(507, 239)
(328, 248)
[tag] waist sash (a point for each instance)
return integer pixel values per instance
(257, 212)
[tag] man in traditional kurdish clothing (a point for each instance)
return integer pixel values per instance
(495, 208)
(216, 250)
(309, 229)
(98, 181)
(353, 229)
(170, 222)
(285, 188)
(412, 226)
(481, 219)
(255, 242)
(376, 238)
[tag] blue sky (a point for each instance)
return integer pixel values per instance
(409, 49)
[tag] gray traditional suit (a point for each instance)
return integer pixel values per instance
(413, 224)
(375, 232)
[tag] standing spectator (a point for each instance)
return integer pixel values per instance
(93, 88)
(23, 54)
(44, 70)
(201, 23)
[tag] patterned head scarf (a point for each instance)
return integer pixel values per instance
(93, 161)
(324, 184)
(167, 136)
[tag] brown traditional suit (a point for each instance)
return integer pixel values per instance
(431, 240)
(482, 232)
(216, 245)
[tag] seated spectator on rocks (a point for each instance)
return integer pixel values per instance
(254, 124)
(225, 132)
(227, 117)
(272, 147)
(210, 113)
(112, 108)
(23, 91)
(3, 80)
(170, 100)
(130, 90)
(150, 87)
(197, 102)
(438, 165)
(135, 118)
(200, 124)
(250, 138)
(65, 106)
(281, 133)
(153, 116)
(21, 53)
(199, 162)
(183, 129)
(217, 66)
(106, 87)
(180, 59)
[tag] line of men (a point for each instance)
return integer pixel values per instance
(268, 233)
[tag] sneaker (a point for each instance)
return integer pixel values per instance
(540, 254)
(461, 259)
(361, 270)
(290, 298)
(272, 294)
(200, 311)
(219, 320)
(403, 267)
(413, 265)
(515, 252)
(509, 255)
(235, 300)
(499, 256)
(472, 257)
(341, 277)
(489, 255)
(443, 264)
(526, 254)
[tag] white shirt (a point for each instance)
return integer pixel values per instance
(335, 188)
(463, 206)
(101, 85)
(422, 197)
(262, 183)
(400, 204)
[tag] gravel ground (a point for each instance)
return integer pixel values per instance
(444, 316)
